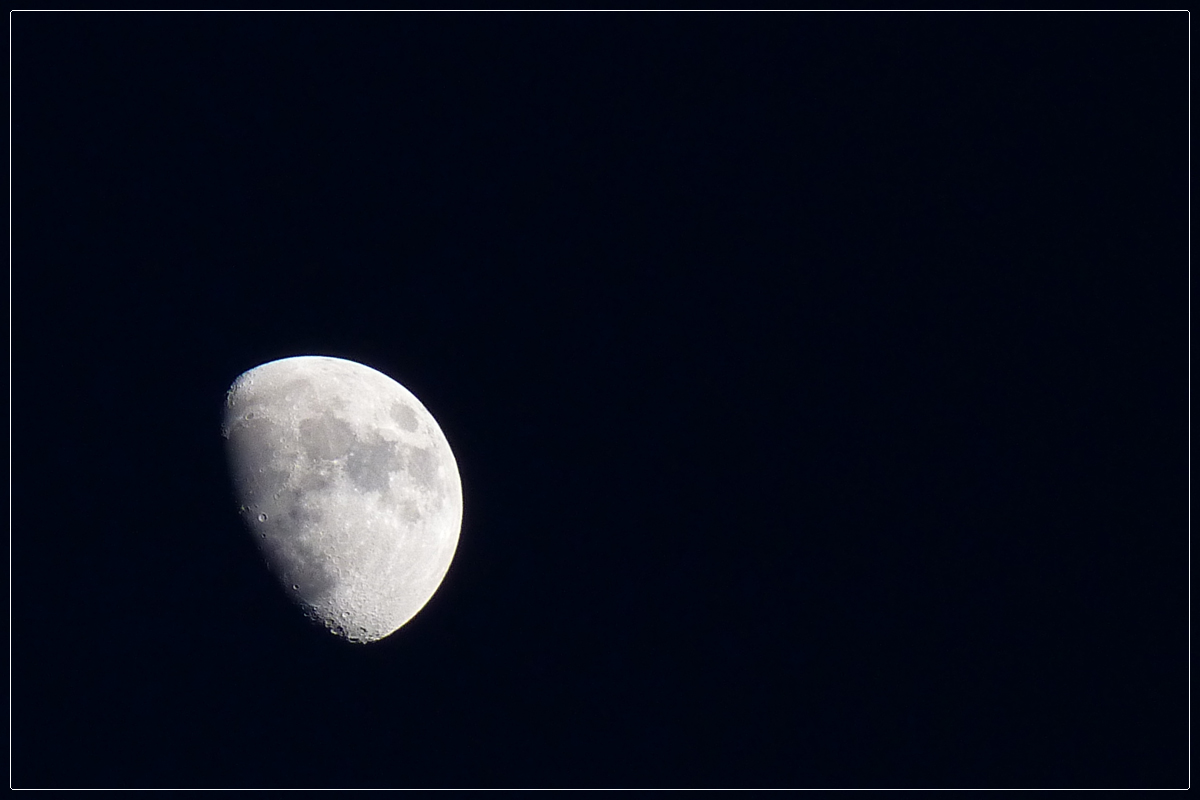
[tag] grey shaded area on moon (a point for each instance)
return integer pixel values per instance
(349, 487)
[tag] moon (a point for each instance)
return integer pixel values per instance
(349, 488)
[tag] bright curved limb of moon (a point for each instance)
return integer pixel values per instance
(349, 488)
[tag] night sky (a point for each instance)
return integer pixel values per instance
(818, 382)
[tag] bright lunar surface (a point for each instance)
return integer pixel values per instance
(349, 488)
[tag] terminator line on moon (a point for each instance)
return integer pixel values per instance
(349, 488)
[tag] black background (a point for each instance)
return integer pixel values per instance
(818, 384)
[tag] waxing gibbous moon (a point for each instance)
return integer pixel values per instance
(348, 486)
